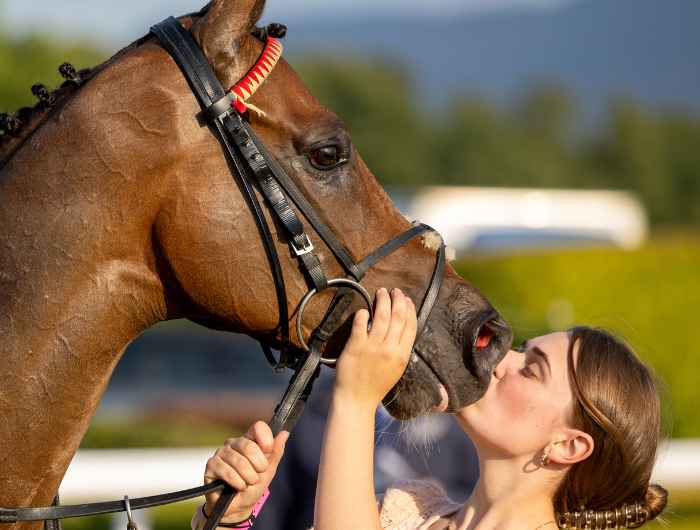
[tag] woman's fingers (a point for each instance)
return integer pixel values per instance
(399, 308)
(218, 469)
(278, 451)
(359, 326)
(244, 465)
(261, 433)
(382, 316)
(408, 335)
(251, 451)
(240, 464)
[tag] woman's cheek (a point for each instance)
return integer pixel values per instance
(517, 401)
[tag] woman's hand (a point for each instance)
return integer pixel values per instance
(248, 463)
(373, 361)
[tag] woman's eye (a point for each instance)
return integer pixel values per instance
(326, 157)
(528, 372)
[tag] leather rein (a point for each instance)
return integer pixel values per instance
(251, 164)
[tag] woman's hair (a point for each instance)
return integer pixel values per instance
(616, 401)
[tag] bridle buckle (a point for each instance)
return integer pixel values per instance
(305, 247)
(222, 108)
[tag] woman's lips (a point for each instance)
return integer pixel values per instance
(442, 407)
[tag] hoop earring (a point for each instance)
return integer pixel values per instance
(544, 459)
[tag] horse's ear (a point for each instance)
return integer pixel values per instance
(221, 30)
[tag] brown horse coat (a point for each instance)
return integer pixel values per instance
(119, 211)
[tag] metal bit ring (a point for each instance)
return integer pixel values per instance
(341, 282)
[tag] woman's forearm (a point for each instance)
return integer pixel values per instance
(345, 497)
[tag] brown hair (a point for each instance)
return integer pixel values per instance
(616, 401)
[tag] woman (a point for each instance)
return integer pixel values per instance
(566, 435)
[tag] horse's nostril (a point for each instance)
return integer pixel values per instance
(488, 333)
(490, 343)
(483, 338)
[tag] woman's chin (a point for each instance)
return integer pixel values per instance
(467, 418)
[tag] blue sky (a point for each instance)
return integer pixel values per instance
(120, 22)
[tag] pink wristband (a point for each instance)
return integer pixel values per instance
(258, 505)
(251, 520)
(256, 509)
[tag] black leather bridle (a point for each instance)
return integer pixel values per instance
(252, 164)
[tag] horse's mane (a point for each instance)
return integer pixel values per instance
(21, 125)
(15, 129)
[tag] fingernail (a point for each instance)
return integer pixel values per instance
(398, 291)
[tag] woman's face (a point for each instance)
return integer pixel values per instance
(528, 399)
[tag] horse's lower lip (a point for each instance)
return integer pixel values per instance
(444, 399)
(442, 406)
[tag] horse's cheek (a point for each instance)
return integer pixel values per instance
(205, 242)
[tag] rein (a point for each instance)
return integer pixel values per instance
(253, 164)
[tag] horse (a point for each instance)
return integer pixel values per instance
(118, 211)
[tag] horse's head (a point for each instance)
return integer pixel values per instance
(208, 249)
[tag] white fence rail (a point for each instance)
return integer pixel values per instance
(97, 474)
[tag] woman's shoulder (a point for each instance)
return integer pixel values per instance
(411, 503)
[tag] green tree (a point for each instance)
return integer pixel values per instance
(654, 154)
(682, 133)
(526, 146)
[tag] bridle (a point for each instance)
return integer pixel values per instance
(253, 164)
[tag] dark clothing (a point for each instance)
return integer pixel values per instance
(433, 446)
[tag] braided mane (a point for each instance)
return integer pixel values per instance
(16, 128)
(20, 126)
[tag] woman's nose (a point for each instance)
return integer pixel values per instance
(502, 368)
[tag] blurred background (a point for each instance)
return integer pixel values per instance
(555, 144)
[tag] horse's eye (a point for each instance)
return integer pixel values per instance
(326, 157)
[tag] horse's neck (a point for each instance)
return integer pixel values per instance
(78, 282)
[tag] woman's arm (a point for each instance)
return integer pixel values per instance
(369, 366)
(345, 490)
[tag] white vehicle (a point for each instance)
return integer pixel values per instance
(504, 219)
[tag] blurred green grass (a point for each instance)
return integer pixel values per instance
(173, 517)
(152, 433)
(650, 296)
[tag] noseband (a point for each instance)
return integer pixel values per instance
(224, 112)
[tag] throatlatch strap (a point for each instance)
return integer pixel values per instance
(208, 90)
(230, 125)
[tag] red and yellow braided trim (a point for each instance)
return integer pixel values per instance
(255, 77)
